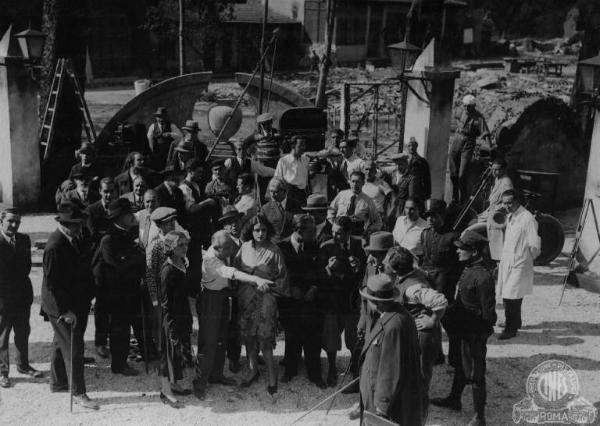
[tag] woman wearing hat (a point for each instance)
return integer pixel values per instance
(258, 305)
(390, 379)
(161, 134)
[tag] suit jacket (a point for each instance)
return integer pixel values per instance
(124, 183)
(136, 205)
(283, 223)
(93, 172)
(67, 283)
(301, 278)
(16, 292)
(390, 379)
(339, 293)
(74, 197)
(173, 199)
(97, 222)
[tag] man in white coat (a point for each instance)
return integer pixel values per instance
(515, 272)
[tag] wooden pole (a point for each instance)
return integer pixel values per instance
(181, 46)
(262, 61)
(321, 98)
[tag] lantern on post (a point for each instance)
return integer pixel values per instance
(403, 55)
(31, 43)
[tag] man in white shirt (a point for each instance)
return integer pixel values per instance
(351, 162)
(408, 229)
(358, 206)
(375, 188)
(161, 134)
(293, 169)
(214, 305)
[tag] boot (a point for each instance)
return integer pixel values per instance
(199, 389)
(452, 401)
(479, 397)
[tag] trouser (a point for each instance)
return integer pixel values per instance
(138, 323)
(61, 356)
(214, 311)
(19, 322)
(303, 325)
(429, 342)
(512, 311)
(459, 161)
(123, 316)
(471, 369)
(101, 321)
(333, 326)
(234, 346)
(194, 255)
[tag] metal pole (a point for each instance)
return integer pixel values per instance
(375, 121)
(326, 399)
(181, 48)
(262, 59)
(345, 119)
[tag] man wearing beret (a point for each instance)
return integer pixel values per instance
(67, 290)
(390, 378)
(471, 317)
(16, 294)
(118, 267)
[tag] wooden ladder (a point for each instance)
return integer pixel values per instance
(64, 68)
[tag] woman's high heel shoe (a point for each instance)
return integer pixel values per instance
(247, 382)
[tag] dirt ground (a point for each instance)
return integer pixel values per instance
(569, 332)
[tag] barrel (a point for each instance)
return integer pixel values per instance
(141, 86)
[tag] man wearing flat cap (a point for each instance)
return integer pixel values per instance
(390, 377)
(67, 291)
(471, 318)
(161, 134)
(472, 126)
(118, 267)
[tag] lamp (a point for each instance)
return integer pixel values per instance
(589, 71)
(31, 43)
(403, 55)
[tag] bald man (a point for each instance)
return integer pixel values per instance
(214, 305)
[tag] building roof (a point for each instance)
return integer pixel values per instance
(252, 13)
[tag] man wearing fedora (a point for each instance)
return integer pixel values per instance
(16, 294)
(419, 167)
(67, 291)
(119, 265)
(86, 165)
(341, 263)
(169, 194)
(316, 206)
(190, 135)
(471, 317)
(299, 314)
(181, 154)
(161, 134)
(390, 377)
(83, 194)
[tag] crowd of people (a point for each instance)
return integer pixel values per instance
(372, 259)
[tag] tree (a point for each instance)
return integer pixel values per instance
(321, 98)
(201, 24)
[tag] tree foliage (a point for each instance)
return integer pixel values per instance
(202, 22)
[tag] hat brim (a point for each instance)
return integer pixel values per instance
(314, 207)
(190, 129)
(183, 150)
(461, 245)
(364, 294)
(61, 220)
(166, 219)
(230, 217)
(369, 248)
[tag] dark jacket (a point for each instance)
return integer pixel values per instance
(474, 311)
(124, 183)
(282, 223)
(16, 292)
(301, 275)
(97, 222)
(119, 264)
(176, 314)
(390, 379)
(419, 167)
(137, 204)
(440, 260)
(339, 293)
(74, 197)
(93, 172)
(67, 283)
(173, 199)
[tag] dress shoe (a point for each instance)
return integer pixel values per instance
(5, 382)
(448, 402)
(126, 371)
(59, 389)
(30, 371)
(332, 377)
(182, 392)
(225, 381)
(286, 378)
(85, 401)
(354, 414)
(505, 335)
(477, 421)
(167, 401)
(102, 351)
(272, 389)
(235, 366)
(199, 389)
(246, 382)
(353, 388)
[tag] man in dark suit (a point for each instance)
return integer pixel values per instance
(136, 197)
(280, 209)
(299, 313)
(98, 225)
(16, 294)
(67, 290)
(169, 194)
(390, 379)
(316, 206)
(119, 265)
(341, 263)
(124, 181)
(82, 193)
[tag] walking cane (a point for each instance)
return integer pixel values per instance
(325, 400)
(71, 368)
(352, 355)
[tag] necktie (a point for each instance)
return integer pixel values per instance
(351, 206)
(345, 169)
(300, 247)
(281, 209)
(12, 242)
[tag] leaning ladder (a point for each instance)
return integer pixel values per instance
(64, 68)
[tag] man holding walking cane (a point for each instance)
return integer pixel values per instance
(67, 291)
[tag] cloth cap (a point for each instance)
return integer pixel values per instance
(163, 214)
(68, 212)
(470, 240)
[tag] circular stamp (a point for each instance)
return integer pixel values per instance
(552, 384)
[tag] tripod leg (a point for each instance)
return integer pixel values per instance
(71, 369)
